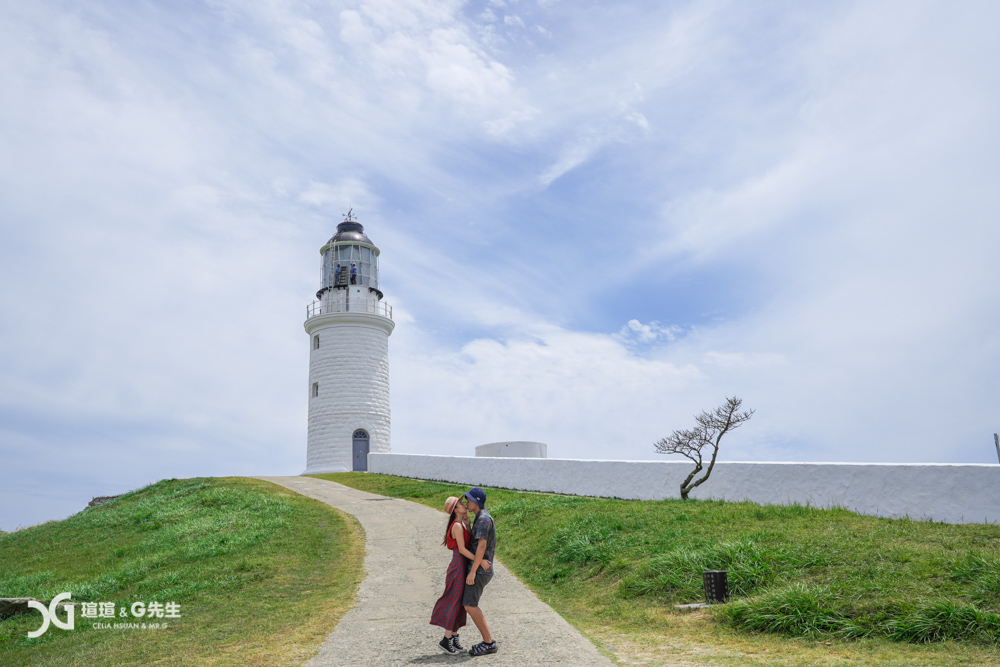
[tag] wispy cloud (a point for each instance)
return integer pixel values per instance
(594, 224)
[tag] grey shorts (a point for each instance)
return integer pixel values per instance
(472, 593)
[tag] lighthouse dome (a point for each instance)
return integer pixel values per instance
(350, 231)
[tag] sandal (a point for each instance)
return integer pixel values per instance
(483, 648)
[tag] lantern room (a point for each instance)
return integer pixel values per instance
(350, 258)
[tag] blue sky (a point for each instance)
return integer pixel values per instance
(596, 219)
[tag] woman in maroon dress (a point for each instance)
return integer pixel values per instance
(449, 612)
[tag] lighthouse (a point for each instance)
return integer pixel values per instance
(349, 326)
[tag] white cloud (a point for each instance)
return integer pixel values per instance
(460, 72)
(590, 140)
(502, 126)
(584, 394)
(331, 198)
(635, 331)
(572, 156)
(806, 195)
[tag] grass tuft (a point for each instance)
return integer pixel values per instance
(798, 610)
(679, 571)
(941, 620)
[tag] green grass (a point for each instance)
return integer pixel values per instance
(262, 575)
(912, 592)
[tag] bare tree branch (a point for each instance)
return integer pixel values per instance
(711, 426)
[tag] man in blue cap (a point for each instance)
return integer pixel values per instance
(485, 533)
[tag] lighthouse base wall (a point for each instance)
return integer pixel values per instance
(323, 470)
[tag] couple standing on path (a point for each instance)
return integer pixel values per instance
(468, 573)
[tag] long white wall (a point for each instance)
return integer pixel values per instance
(953, 493)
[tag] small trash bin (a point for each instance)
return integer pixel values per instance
(716, 586)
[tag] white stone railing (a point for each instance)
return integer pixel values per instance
(370, 306)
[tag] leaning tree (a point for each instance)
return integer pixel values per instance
(708, 433)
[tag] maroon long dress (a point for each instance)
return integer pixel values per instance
(448, 611)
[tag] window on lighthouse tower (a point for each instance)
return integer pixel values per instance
(315, 389)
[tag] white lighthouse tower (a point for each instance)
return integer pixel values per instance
(348, 327)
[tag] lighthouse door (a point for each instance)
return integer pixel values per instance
(361, 450)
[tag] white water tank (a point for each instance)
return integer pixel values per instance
(521, 449)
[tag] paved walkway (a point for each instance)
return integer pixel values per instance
(405, 565)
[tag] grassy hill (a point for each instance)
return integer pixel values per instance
(261, 575)
(809, 586)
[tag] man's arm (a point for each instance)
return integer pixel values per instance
(480, 551)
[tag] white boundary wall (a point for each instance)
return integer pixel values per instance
(952, 493)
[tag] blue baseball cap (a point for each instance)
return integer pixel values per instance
(477, 496)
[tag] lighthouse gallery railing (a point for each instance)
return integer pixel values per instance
(371, 306)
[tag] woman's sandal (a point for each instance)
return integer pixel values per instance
(483, 648)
